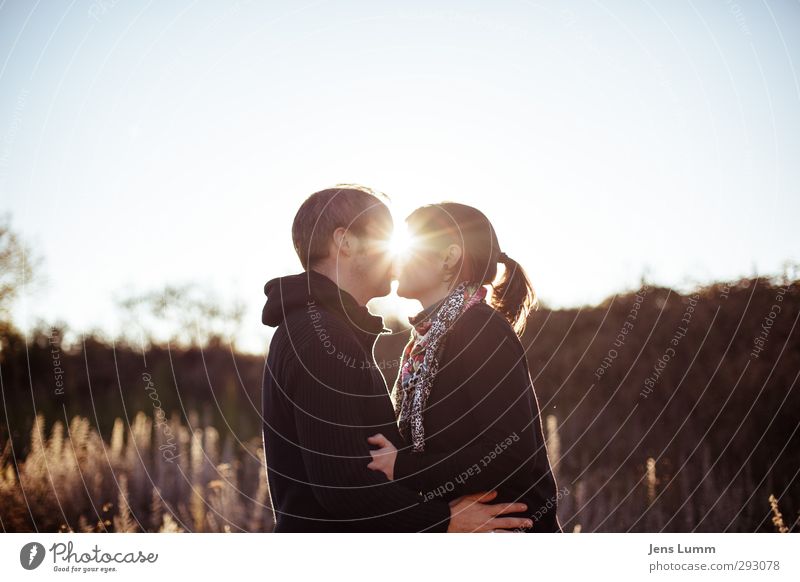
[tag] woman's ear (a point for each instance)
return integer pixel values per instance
(452, 256)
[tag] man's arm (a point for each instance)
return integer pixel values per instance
(327, 395)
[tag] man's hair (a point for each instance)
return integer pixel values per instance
(345, 205)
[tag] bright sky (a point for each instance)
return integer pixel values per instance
(147, 143)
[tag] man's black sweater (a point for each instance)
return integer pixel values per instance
(322, 396)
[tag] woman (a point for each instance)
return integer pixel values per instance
(464, 400)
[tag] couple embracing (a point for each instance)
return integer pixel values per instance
(457, 446)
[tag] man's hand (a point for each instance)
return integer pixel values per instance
(384, 457)
(472, 513)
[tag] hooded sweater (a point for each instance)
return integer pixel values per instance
(322, 396)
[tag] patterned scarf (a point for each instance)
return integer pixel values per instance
(420, 361)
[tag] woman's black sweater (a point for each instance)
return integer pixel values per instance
(482, 423)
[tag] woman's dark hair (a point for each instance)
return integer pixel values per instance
(447, 223)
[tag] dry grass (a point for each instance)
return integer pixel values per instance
(74, 481)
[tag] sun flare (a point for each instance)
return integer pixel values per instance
(401, 241)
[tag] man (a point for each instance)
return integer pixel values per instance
(323, 394)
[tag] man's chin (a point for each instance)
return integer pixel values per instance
(384, 290)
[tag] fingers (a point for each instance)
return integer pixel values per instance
(378, 439)
(509, 523)
(503, 508)
(481, 497)
(378, 458)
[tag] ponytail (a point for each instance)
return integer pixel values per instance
(513, 296)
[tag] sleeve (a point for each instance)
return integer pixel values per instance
(327, 399)
(501, 410)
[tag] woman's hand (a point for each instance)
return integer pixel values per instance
(384, 457)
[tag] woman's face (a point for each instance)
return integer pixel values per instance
(419, 267)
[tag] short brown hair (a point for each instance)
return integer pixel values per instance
(345, 205)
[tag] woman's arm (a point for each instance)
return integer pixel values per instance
(501, 411)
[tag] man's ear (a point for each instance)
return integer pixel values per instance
(342, 242)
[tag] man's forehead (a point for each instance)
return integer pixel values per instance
(380, 222)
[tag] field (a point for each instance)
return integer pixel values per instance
(686, 421)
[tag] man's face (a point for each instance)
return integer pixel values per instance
(372, 261)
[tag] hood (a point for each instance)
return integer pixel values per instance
(288, 294)
(284, 295)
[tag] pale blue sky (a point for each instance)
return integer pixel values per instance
(167, 142)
